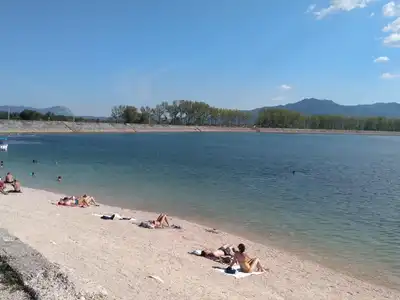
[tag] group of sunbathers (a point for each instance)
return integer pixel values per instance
(83, 201)
(229, 255)
(9, 179)
(226, 254)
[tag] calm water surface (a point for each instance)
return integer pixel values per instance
(341, 207)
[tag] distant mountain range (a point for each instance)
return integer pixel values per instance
(309, 106)
(312, 106)
(57, 110)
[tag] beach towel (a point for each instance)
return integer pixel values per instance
(151, 225)
(114, 217)
(70, 205)
(237, 273)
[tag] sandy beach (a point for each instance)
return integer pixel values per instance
(120, 256)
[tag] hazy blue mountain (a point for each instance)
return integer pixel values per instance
(57, 110)
(312, 106)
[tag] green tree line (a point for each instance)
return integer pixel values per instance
(32, 115)
(185, 112)
(181, 112)
(199, 113)
(281, 118)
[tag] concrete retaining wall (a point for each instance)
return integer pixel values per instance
(28, 273)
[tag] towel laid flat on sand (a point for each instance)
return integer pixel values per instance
(114, 217)
(151, 225)
(237, 274)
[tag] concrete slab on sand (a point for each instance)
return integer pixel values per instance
(27, 274)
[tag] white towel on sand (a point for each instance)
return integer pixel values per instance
(238, 274)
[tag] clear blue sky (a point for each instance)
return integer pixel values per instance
(90, 55)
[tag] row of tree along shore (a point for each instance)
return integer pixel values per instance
(201, 114)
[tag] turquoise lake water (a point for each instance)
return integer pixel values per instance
(341, 207)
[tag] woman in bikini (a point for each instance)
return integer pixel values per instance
(247, 264)
(86, 200)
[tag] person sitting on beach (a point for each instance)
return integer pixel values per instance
(86, 200)
(9, 178)
(17, 186)
(247, 264)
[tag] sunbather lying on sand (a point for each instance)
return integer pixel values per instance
(247, 264)
(223, 254)
(225, 250)
(68, 201)
(83, 201)
(160, 222)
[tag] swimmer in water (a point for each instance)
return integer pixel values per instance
(33, 174)
(1, 164)
(294, 172)
(34, 161)
(59, 178)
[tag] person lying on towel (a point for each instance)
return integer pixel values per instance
(223, 254)
(160, 222)
(83, 201)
